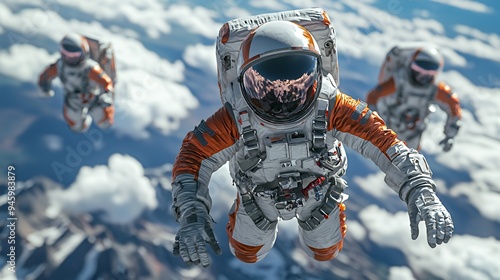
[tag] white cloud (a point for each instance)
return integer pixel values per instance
(483, 192)
(53, 142)
(467, 5)
(389, 29)
(27, 60)
(355, 230)
(120, 190)
(153, 16)
(197, 20)
(201, 56)
(463, 257)
(400, 273)
(271, 5)
(374, 185)
(235, 12)
(273, 266)
(491, 38)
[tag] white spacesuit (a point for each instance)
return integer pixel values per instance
(88, 90)
(282, 136)
(407, 94)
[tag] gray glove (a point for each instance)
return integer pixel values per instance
(48, 93)
(424, 205)
(105, 99)
(46, 88)
(447, 143)
(196, 229)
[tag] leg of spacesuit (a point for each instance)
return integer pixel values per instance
(246, 241)
(103, 115)
(325, 241)
(74, 115)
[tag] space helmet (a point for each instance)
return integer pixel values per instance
(279, 70)
(74, 49)
(425, 64)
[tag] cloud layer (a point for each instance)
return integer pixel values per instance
(151, 91)
(119, 191)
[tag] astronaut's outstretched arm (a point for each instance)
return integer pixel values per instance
(407, 171)
(380, 91)
(98, 75)
(203, 151)
(448, 101)
(45, 79)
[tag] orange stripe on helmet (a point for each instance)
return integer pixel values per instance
(84, 44)
(326, 18)
(245, 49)
(310, 39)
(416, 54)
(224, 33)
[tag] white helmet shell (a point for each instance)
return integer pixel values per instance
(430, 54)
(74, 49)
(273, 38)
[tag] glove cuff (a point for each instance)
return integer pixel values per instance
(413, 170)
(187, 194)
(414, 193)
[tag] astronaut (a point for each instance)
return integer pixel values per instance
(88, 90)
(283, 138)
(406, 96)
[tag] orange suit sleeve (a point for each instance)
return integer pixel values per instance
(207, 142)
(98, 75)
(384, 89)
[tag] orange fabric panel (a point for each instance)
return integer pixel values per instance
(343, 226)
(109, 114)
(245, 253)
(67, 118)
(373, 129)
(326, 254)
(446, 95)
(386, 88)
(382, 69)
(192, 152)
(48, 74)
(98, 75)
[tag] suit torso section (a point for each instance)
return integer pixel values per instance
(408, 107)
(76, 78)
(288, 150)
